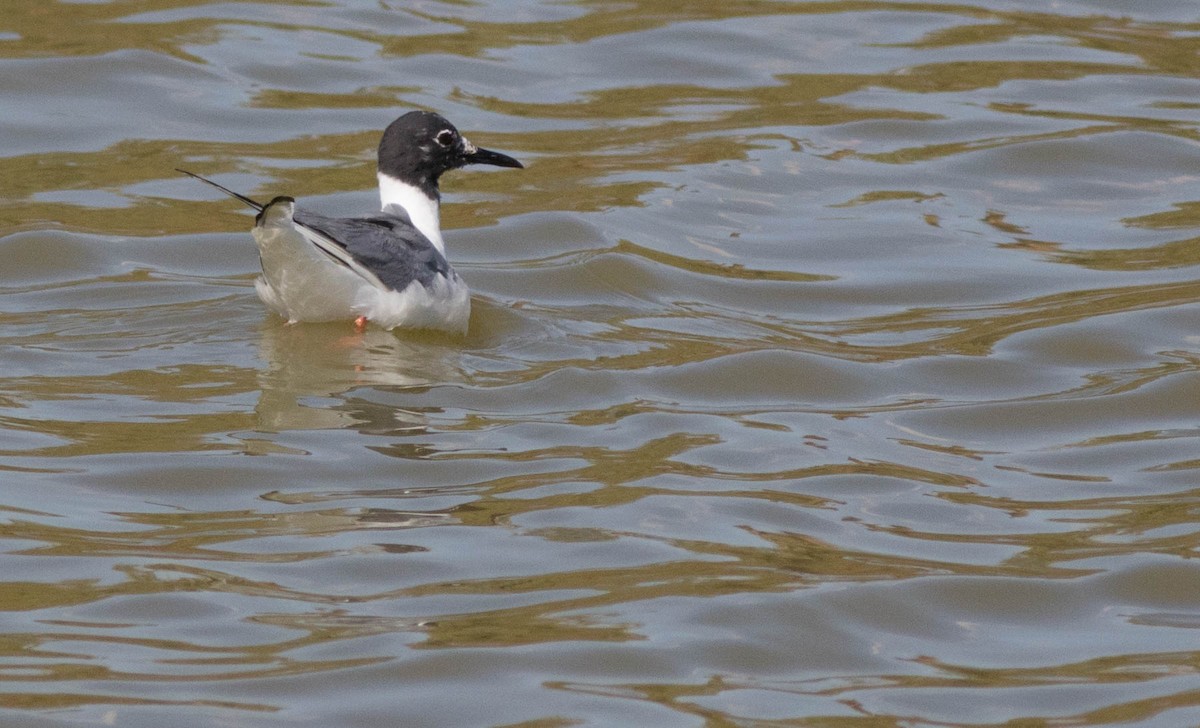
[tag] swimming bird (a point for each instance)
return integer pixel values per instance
(388, 268)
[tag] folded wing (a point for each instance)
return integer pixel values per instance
(385, 248)
(386, 244)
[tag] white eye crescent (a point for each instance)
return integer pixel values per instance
(445, 137)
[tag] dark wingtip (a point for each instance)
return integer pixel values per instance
(248, 201)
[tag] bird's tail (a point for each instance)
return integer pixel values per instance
(256, 205)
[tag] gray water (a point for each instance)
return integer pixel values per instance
(831, 364)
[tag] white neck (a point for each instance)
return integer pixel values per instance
(422, 210)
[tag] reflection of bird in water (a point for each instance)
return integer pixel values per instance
(307, 364)
(389, 268)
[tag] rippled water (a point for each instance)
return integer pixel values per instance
(832, 364)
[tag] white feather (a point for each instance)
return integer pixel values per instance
(422, 210)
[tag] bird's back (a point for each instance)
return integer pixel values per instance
(386, 243)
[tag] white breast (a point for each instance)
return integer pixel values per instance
(445, 305)
(422, 210)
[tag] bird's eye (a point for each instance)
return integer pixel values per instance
(445, 137)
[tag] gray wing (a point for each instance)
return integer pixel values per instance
(386, 244)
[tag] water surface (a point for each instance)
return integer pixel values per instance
(831, 363)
